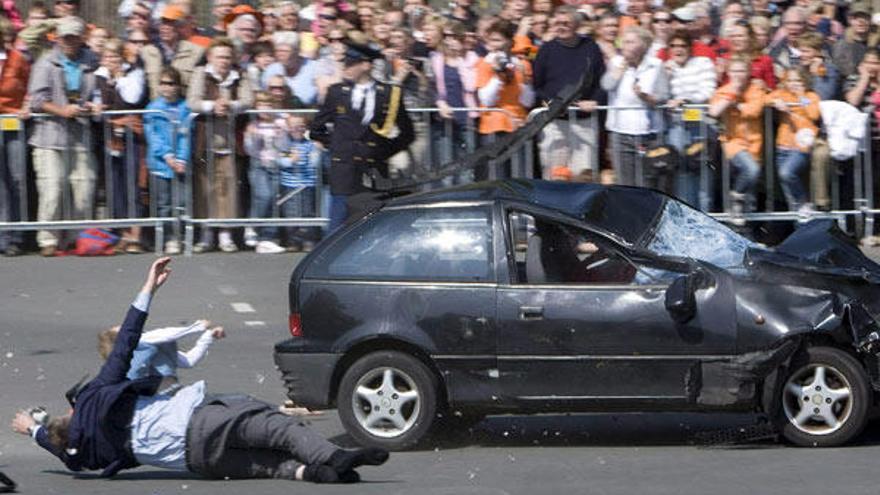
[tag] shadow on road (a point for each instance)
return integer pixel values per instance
(609, 430)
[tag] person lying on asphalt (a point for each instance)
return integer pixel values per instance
(118, 423)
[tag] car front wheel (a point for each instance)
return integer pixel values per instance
(388, 399)
(825, 399)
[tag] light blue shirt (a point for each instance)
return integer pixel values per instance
(158, 428)
(302, 85)
(72, 74)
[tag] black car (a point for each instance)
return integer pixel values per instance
(524, 296)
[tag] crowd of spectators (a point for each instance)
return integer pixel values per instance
(664, 78)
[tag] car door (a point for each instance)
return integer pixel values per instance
(580, 322)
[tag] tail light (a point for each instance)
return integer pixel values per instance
(294, 322)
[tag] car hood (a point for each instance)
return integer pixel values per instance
(819, 255)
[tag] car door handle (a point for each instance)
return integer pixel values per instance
(531, 312)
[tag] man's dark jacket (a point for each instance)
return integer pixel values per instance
(100, 429)
(356, 148)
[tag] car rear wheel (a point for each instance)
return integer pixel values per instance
(825, 399)
(388, 399)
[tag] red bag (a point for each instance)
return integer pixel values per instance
(95, 242)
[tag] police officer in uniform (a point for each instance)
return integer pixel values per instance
(362, 123)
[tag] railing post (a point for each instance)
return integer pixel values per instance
(769, 155)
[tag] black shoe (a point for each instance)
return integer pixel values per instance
(346, 460)
(12, 250)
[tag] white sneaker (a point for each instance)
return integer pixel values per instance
(269, 247)
(805, 212)
(172, 247)
(737, 205)
(250, 237)
(228, 247)
(224, 240)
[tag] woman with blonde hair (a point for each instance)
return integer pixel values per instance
(740, 43)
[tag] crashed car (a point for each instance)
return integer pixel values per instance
(524, 296)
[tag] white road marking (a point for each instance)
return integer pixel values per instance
(227, 290)
(242, 307)
(255, 323)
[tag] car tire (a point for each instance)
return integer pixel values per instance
(388, 399)
(824, 400)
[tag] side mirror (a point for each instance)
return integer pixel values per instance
(681, 299)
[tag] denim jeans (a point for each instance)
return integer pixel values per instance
(449, 141)
(12, 179)
(747, 172)
(338, 212)
(300, 205)
(169, 194)
(264, 185)
(124, 187)
(681, 136)
(789, 165)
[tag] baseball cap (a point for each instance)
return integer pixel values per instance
(859, 8)
(684, 14)
(173, 13)
(70, 26)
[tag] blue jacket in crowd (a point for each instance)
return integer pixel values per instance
(161, 138)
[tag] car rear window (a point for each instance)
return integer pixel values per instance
(431, 244)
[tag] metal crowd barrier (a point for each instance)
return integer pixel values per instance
(14, 124)
(437, 142)
(863, 184)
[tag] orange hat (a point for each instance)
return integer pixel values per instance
(240, 10)
(173, 13)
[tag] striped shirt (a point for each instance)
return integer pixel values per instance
(300, 171)
(695, 82)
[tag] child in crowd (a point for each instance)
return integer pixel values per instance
(265, 140)
(263, 57)
(799, 109)
(157, 353)
(298, 178)
(168, 151)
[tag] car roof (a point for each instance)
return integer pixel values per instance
(628, 212)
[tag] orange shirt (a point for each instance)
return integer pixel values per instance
(743, 121)
(508, 99)
(524, 47)
(803, 115)
(199, 40)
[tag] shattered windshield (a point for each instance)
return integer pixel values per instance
(685, 232)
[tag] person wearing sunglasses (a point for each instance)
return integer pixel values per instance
(661, 27)
(168, 151)
(692, 81)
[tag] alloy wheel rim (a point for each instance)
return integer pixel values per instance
(817, 399)
(386, 402)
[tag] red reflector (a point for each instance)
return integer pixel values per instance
(295, 324)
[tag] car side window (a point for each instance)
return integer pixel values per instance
(449, 244)
(549, 252)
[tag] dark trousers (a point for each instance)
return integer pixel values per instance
(12, 179)
(239, 437)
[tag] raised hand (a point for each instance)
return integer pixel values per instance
(157, 274)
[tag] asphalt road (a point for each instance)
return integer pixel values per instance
(51, 310)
